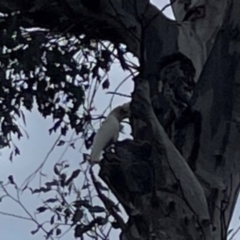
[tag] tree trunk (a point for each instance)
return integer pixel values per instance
(179, 177)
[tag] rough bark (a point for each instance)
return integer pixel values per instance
(169, 192)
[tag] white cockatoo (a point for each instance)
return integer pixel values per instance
(109, 131)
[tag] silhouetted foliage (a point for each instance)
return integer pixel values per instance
(48, 70)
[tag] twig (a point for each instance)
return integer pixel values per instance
(104, 200)
(119, 85)
(32, 176)
(14, 215)
(234, 234)
(168, 5)
(119, 94)
(24, 208)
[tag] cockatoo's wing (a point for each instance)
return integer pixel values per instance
(108, 132)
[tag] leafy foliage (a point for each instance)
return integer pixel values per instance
(71, 205)
(50, 71)
(54, 73)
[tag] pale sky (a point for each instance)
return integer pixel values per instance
(35, 149)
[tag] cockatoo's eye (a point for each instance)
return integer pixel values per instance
(124, 112)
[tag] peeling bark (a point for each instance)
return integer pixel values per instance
(199, 22)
